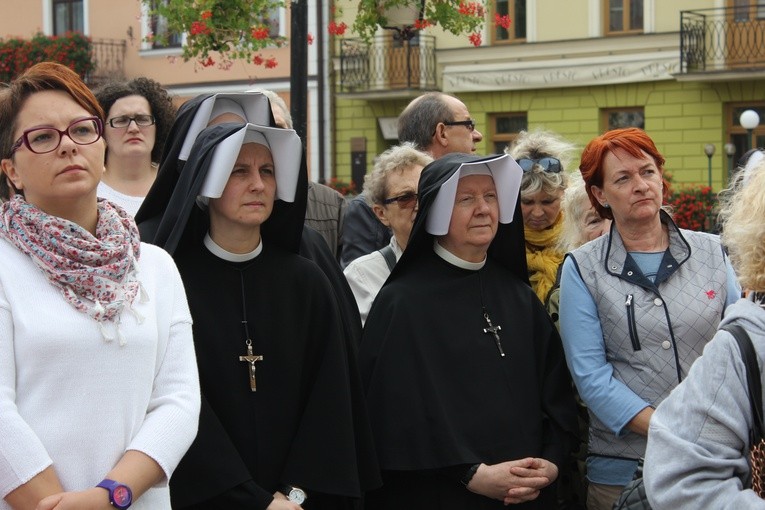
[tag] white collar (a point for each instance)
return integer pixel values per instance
(219, 252)
(455, 260)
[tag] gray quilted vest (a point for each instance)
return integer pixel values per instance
(653, 332)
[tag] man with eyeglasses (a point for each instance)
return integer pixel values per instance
(437, 124)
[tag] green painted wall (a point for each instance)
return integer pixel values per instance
(681, 117)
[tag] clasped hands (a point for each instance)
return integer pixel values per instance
(514, 481)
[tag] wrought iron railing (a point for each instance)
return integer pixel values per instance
(388, 63)
(109, 59)
(724, 39)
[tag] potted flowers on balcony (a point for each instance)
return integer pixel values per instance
(458, 17)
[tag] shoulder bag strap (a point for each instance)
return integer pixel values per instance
(749, 356)
(389, 256)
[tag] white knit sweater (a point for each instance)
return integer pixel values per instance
(70, 399)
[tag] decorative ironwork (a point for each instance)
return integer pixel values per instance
(109, 58)
(388, 63)
(724, 39)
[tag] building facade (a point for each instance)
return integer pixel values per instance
(119, 31)
(684, 70)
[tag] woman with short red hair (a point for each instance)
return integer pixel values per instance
(637, 305)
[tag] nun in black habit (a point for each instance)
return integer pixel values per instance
(278, 415)
(161, 216)
(464, 374)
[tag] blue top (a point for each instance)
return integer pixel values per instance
(593, 374)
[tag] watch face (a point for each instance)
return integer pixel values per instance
(121, 496)
(296, 496)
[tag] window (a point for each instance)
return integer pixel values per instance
(615, 118)
(624, 16)
(516, 9)
(504, 128)
(156, 26)
(68, 16)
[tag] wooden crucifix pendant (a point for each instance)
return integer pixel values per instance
(251, 359)
(494, 331)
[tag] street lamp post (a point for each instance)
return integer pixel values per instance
(749, 120)
(730, 151)
(709, 150)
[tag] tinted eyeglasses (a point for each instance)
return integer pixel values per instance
(470, 123)
(124, 121)
(551, 165)
(405, 201)
(42, 140)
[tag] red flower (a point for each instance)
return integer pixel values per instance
(206, 14)
(260, 33)
(470, 9)
(257, 60)
(422, 24)
(711, 294)
(502, 21)
(271, 63)
(199, 27)
(337, 28)
(207, 63)
(310, 39)
(475, 39)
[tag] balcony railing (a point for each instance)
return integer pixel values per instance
(387, 64)
(109, 59)
(724, 39)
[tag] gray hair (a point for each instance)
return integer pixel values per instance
(536, 145)
(418, 121)
(277, 100)
(574, 206)
(395, 159)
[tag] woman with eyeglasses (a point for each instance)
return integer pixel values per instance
(391, 188)
(139, 114)
(542, 155)
(99, 393)
(637, 306)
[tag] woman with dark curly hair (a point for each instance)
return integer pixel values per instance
(139, 114)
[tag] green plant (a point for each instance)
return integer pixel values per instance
(694, 207)
(72, 49)
(234, 29)
(459, 17)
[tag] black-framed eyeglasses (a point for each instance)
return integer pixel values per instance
(470, 123)
(123, 121)
(548, 164)
(42, 140)
(405, 201)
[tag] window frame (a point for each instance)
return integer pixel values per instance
(496, 137)
(626, 9)
(511, 33)
(49, 18)
(605, 112)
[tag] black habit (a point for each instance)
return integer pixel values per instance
(440, 395)
(306, 424)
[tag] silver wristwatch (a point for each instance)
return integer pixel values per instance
(294, 494)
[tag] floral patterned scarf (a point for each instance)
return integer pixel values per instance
(95, 274)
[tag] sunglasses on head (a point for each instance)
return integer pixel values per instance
(405, 201)
(549, 164)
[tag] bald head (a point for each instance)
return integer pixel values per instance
(427, 121)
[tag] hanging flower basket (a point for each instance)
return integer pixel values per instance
(458, 17)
